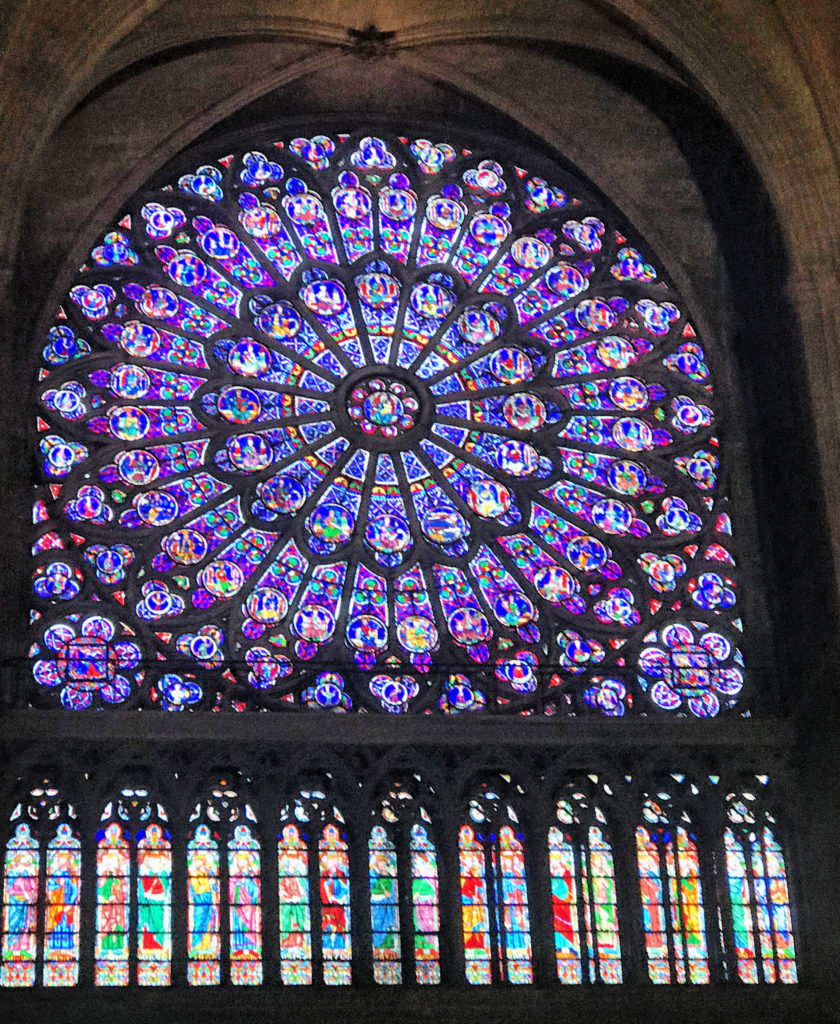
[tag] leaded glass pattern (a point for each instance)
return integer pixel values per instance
(494, 892)
(41, 884)
(314, 892)
(404, 888)
(203, 909)
(583, 891)
(61, 913)
(376, 424)
(672, 896)
(133, 892)
(414, 847)
(758, 891)
(20, 908)
(224, 888)
(245, 907)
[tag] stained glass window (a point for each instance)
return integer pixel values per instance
(133, 892)
(758, 891)
(672, 896)
(61, 924)
(583, 892)
(377, 424)
(41, 879)
(313, 860)
(20, 908)
(204, 948)
(223, 863)
(404, 893)
(494, 894)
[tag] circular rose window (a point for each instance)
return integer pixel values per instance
(356, 423)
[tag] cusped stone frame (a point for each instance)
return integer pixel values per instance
(375, 424)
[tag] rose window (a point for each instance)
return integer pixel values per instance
(360, 424)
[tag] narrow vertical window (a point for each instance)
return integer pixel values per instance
(404, 900)
(204, 947)
(672, 900)
(514, 952)
(61, 915)
(154, 911)
(384, 908)
(425, 897)
(475, 913)
(314, 891)
(224, 892)
(245, 908)
(494, 894)
(113, 877)
(133, 892)
(334, 867)
(758, 890)
(295, 914)
(20, 909)
(583, 895)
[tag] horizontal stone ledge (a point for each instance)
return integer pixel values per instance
(718, 1004)
(25, 728)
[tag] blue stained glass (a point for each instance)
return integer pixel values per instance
(391, 405)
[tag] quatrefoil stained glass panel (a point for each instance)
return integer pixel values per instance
(364, 424)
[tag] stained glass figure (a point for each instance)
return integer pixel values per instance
(384, 908)
(154, 911)
(61, 921)
(334, 870)
(404, 893)
(20, 908)
(223, 864)
(41, 879)
(133, 892)
(672, 896)
(494, 895)
(245, 908)
(393, 405)
(313, 860)
(583, 892)
(295, 907)
(758, 892)
(113, 930)
(204, 948)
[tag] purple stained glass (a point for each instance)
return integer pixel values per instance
(393, 408)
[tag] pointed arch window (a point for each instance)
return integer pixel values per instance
(583, 890)
(133, 892)
(404, 891)
(20, 907)
(223, 863)
(313, 866)
(41, 887)
(494, 893)
(758, 892)
(672, 895)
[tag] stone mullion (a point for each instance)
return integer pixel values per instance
(360, 923)
(628, 893)
(539, 893)
(268, 813)
(88, 824)
(715, 905)
(452, 960)
(179, 829)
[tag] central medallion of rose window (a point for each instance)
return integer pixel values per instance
(383, 407)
